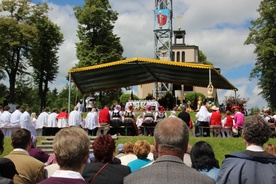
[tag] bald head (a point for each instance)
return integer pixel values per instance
(171, 136)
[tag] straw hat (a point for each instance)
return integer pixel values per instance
(214, 108)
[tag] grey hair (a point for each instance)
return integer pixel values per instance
(171, 135)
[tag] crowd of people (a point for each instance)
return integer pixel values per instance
(164, 162)
(228, 123)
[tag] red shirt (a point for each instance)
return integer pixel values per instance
(62, 115)
(229, 121)
(104, 116)
(215, 118)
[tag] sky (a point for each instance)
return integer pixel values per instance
(218, 27)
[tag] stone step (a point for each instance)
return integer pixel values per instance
(51, 138)
(50, 150)
(50, 142)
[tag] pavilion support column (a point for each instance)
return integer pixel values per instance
(69, 93)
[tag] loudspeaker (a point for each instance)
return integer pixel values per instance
(273, 97)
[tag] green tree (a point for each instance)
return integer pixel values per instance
(203, 58)
(263, 36)
(44, 59)
(98, 44)
(17, 36)
(125, 97)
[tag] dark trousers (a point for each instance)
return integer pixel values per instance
(205, 131)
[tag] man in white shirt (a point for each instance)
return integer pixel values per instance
(15, 117)
(52, 119)
(5, 120)
(42, 121)
(75, 118)
(25, 122)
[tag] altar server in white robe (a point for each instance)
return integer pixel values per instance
(5, 119)
(52, 118)
(42, 120)
(75, 118)
(92, 122)
(26, 122)
(15, 117)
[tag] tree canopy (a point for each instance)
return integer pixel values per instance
(98, 44)
(29, 46)
(263, 36)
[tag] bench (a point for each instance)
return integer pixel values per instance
(145, 127)
(125, 128)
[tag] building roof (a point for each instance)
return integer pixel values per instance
(135, 71)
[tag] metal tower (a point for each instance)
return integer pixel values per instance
(163, 39)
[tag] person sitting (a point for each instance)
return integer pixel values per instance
(7, 171)
(203, 159)
(227, 124)
(104, 120)
(239, 120)
(203, 119)
(116, 116)
(30, 169)
(71, 148)
(120, 150)
(141, 149)
(130, 120)
(215, 121)
(171, 138)
(271, 149)
(38, 153)
(173, 114)
(161, 114)
(129, 154)
(148, 120)
(139, 122)
(253, 165)
(103, 168)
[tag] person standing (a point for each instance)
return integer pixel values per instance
(254, 165)
(52, 118)
(75, 118)
(92, 122)
(15, 117)
(42, 121)
(31, 170)
(62, 119)
(185, 116)
(71, 148)
(171, 138)
(5, 120)
(26, 122)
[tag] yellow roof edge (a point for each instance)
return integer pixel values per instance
(149, 60)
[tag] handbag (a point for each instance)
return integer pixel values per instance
(99, 171)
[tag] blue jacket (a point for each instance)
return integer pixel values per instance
(248, 167)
